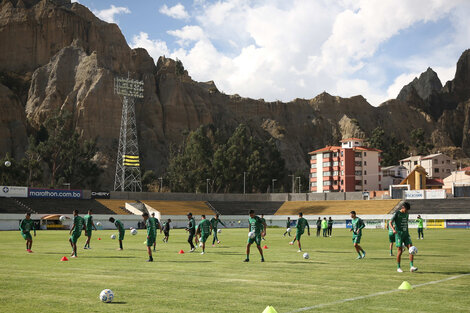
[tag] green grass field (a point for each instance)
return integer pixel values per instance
(220, 282)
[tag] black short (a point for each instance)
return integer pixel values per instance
(166, 233)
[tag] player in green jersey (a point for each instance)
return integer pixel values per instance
(151, 223)
(191, 229)
(301, 224)
(89, 225)
(287, 227)
(214, 223)
(26, 225)
(324, 227)
(204, 229)
(259, 230)
(263, 220)
(399, 225)
(391, 238)
(330, 226)
(158, 227)
(420, 222)
(76, 231)
(357, 224)
(120, 227)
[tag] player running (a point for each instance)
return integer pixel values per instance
(259, 228)
(76, 231)
(287, 227)
(214, 223)
(166, 230)
(399, 225)
(26, 225)
(301, 224)
(89, 225)
(391, 238)
(357, 224)
(420, 227)
(191, 229)
(330, 226)
(263, 220)
(152, 224)
(204, 229)
(122, 231)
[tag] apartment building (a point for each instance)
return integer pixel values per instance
(437, 165)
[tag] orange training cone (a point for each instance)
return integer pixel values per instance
(64, 258)
(99, 238)
(265, 247)
(181, 252)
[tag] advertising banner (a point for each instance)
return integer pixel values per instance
(13, 191)
(54, 193)
(100, 195)
(349, 224)
(414, 194)
(435, 194)
(435, 224)
(458, 224)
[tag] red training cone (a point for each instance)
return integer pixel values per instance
(181, 252)
(99, 238)
(64, 258)
(265, 247)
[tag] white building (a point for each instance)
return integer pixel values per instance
(393, 175)
(436, 165)
(459, 177)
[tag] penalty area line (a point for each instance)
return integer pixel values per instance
(375, 294)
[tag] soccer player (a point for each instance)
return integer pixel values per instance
(391, 238)
(191, 229)
(166, 230)
(399, 225)
(89, 225)
(122, 231)
(287, 227)
(357, 224)
(152, 224)
(420, 227)
(214, 223)
(157, 226)
(324, 226)
(318, 226)
(26, 225)
(204, 229)
(263, 220)
(330, 226)
(76, 231)
(301, 224)
(259, 228)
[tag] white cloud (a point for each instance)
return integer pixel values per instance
(177, 11)
(108, 15)
(155, 48)
(188, 34)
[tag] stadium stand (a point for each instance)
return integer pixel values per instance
(242, 208)
(179, 207)
(337, 207)
(63, 206)
(444, 206)
(117, 206)
(12, 205)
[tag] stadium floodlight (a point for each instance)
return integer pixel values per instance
(128, 175)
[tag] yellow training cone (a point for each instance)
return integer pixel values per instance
(405, 286)
(269, 309)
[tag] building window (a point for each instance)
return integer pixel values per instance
(448, 161)
(358, 183)
(335, 163)
(342, 173)
(358, 163)
(365, 153)
(342, 163)
(314, 184)
(365, 163)
(365, 172)
(415, 162)
(365, 182)
(341, 153)
(436, 170)
(326, 183)
(335, 154)
(358, 173)
(356, 143)
(335, 182)
(326, 164)
(326, 173)
(314, 157)
(448, 170)
(380, 178)
(357, 154)
(342, 182)
(313, 166)
(435, 161)
(335, 173)
(326, 155)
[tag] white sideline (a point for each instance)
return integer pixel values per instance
(374, 294)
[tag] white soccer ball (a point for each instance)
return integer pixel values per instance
(113, 236)
(306, 256)
(413, 250)
(288, 230)
(251, 234)
(219, 231)
(7, 163)
(107, 295)
(62, 218)
(131, 228)
(98, 224)
(134, 232)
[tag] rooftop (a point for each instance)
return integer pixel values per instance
(327, 148)
(351, 139)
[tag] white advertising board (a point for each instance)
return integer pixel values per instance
(414, 194)
(13, 191)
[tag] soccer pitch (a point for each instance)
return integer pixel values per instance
(220, 282)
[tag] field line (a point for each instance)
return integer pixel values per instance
(375, 294)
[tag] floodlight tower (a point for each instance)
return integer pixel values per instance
(128, 177)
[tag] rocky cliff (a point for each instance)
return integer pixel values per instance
(57, 54)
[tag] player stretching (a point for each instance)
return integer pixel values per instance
(301, 224)
(287, 227)
(214, 223)
(204, 229)
(191, 229)
(89, 225)
(25, 227)
(166, 230)
(76, 231)
(420, 227)
(399, 225)
(391, 238)
(120, 226)
(356, 227)
(259, 228)
(151, 223)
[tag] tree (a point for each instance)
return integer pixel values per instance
(392, 149)
(148, 180)
(419, 142)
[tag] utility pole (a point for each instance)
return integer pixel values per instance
(161, 183)
(293, 183)
(298, 177)
(274, 179)
(207, 185)
(244, 182)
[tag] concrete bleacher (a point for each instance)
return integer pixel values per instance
(64, 206)
(242, 208)
(340, 207)
(178, 207)
(13, 206)
(444, 206)
(117, 206)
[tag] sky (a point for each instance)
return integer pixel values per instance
(282, 50)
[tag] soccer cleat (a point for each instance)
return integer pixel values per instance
(363, 254)
(291, 243)
(203, 252)
(73, 256)
(192, 250)
(262, 260)
(413, 269)
(85, 247)
(299, 250)
(399, 270)
(246, 260)
(359, 257)
(150, 260)
(213, 245)
(391, 254)
(30, 251)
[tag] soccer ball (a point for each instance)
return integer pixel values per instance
(98, 224)
(107, 295)
(219, 231)
(251, 235)
(113, 236)
(62, 218)
(288, 230)
(131, 228)
(7, 163)
(413, 250)
(306, 256)
(200, 243)
(134, 232)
